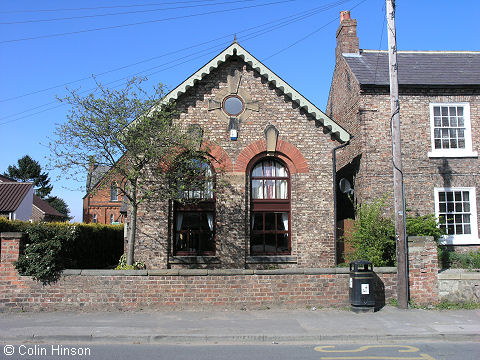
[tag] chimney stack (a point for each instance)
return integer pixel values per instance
(347, 40)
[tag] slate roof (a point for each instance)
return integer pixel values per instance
(96, 175)
(45, 207)
(12, 195)
(433, 68)
(236, 50)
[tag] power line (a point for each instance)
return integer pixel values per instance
(102, 7)
(144, 22)
(119, 13)
(308, 35)
(294, 17)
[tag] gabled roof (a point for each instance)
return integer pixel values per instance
(45, 207)
(279, 83)
(96, 175)
(433, 68)
(12, 195)
(5, 179)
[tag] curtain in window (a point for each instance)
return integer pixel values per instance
(285, 220)
(210, 221)
(179, 221)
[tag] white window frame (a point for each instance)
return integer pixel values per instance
(464, 239)
(467, 151)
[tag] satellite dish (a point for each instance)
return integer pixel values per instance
(345, 186)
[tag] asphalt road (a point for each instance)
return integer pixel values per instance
(410, 351)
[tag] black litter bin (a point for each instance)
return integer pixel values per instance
(362, 296)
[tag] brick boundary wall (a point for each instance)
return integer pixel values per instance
(200, 288)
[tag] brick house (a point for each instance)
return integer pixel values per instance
(103, 202)
(440, 129)
(273, 149)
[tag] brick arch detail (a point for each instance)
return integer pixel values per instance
(222, 160)
(287, 152)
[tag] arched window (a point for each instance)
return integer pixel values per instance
(194, 225)
(112, 219)
(113, 192)
(270, 208)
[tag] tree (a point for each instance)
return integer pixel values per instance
(31, 171)
(60, 205)
(130, 131)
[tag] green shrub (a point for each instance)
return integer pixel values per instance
(426, 225)
(122, 264)
(373, 235)
(48, 248)
(450, 259)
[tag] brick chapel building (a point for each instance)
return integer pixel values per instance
(440, 129)
(273, 149)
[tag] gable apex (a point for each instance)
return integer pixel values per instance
(236, 49)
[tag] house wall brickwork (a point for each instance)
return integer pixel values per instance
(364, 110)
(98, 202)
(302, 144)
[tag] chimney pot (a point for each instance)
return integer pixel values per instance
(344, 15)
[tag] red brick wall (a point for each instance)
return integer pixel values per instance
(186, 288)
(98, 202)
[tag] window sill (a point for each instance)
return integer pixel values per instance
(452, 154)
(459, 240)
(194, 260)
(272, 259)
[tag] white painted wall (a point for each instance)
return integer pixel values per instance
(24, 210)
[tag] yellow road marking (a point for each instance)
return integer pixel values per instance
(422, 357)
(403, 348)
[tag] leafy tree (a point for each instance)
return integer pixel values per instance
(132, 132)
(60, 205)
(29, 170)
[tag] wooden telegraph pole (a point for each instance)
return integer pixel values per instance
(398, 189)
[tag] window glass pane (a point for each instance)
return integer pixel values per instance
(281, 170)
(453, 111)
(436, 110)
(269, 221)
(453, 121)
(445, 121)
(282, 221)
(257, 221)
(437, 121)
(458, 229)
(270, 243)
(206, 242)
(256, 244)
(467, 229)
(442, 207)
(282, 242)
(181, 242)
(233, 105)
(257, 189)
(282, 189)
(466, 196)
(191, 221)
(461, 121)
(444, 111)
(466, 218)
(449, 196)
(450, 207)
(441, 196)
(460, 110)
(438, 144)
(268, 168)
(257, 170)
(269, 189)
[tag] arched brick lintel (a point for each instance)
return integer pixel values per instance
(222, 160)
(287, 152)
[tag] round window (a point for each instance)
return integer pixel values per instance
(232, 105)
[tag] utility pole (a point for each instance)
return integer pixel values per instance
(398, 189)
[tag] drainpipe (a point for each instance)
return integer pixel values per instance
(334, 164)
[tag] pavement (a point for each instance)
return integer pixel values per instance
(389, 325)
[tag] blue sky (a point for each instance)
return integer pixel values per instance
(171, 39)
